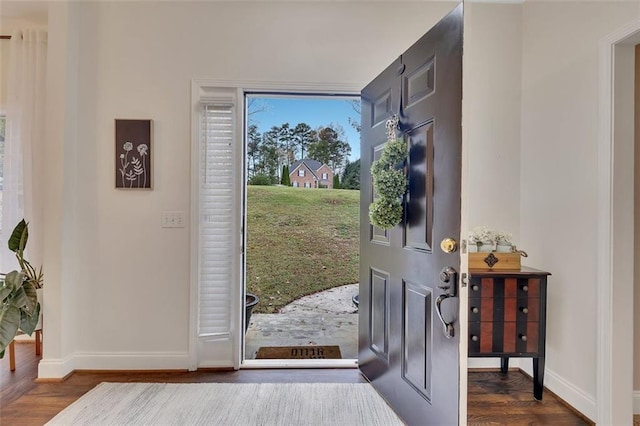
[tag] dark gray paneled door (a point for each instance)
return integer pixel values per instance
(403, 349)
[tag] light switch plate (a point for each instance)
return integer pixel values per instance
(173, 219)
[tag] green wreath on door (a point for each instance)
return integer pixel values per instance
(389, 180)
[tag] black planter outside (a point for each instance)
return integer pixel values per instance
(250, 301)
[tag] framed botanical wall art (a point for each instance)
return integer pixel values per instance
(133, 163)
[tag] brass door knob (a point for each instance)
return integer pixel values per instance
(449, 245)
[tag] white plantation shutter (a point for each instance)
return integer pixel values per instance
(216, 219)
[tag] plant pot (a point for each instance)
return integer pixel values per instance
(486, 247)
(250, 300)
(504, 248)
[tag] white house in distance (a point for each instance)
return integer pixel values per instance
(539, 68)
(310, 174)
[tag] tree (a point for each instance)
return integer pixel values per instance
(255, 106)
(336, 181)
(285, 180)
(330, 148)
(269, 156)
(303, 135)
(253, 148)
(287, 144)
(351, 175)
(356, 105)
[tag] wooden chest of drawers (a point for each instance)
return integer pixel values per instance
(507, 317)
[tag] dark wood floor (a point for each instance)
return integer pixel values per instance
(494, 398)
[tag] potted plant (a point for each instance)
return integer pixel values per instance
(19, 309)
(503, 242)
(483, 238)
(250, 301)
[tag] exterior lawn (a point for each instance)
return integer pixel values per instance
(299, 242)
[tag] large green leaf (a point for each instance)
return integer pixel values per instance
(19, 237)
(32, 297)
(12, 281)
(5, 289)
(19, 299)
(28, 322)
(9, 323)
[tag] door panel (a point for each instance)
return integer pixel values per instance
(379, 311)
(419, 199)
(417, 326)
(403, 350)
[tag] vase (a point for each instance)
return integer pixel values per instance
(486, 247)
(504, 248)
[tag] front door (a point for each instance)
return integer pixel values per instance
(407, 349)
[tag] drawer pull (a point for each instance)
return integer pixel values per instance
(524, 310)
(525, 288)
(475, 287)
(523, 337)
(474, 338)
(475, 310)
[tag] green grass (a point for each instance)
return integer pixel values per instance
(300, 241)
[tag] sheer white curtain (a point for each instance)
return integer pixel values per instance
(24, 133)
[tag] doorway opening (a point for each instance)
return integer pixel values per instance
(301, 226)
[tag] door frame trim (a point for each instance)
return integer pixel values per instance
(242, 87)
(614, 266)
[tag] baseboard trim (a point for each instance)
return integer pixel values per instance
(574, 398)
(139, 361)
(56, 369)
(636, 402)
(60, 369)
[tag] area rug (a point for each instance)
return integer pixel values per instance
(229, 404)
(299, 352)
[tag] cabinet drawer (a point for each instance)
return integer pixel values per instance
(520, 309)
(486, 337)
(504, 287)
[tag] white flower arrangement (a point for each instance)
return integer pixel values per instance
(503, 238)
(482, 234)
(486, 239)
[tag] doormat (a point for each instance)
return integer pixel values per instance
(299, 352)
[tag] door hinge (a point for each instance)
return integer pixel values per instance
(464, 281)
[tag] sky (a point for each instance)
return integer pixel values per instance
(315, 112)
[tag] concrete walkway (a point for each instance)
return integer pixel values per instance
(325, 318)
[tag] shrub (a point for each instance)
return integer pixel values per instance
(261, 179)
(285, 180)
(336, 181)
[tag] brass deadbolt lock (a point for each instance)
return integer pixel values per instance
(449, 245)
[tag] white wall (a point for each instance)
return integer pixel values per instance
(127, 279)
(559, 177)
(491, 119)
